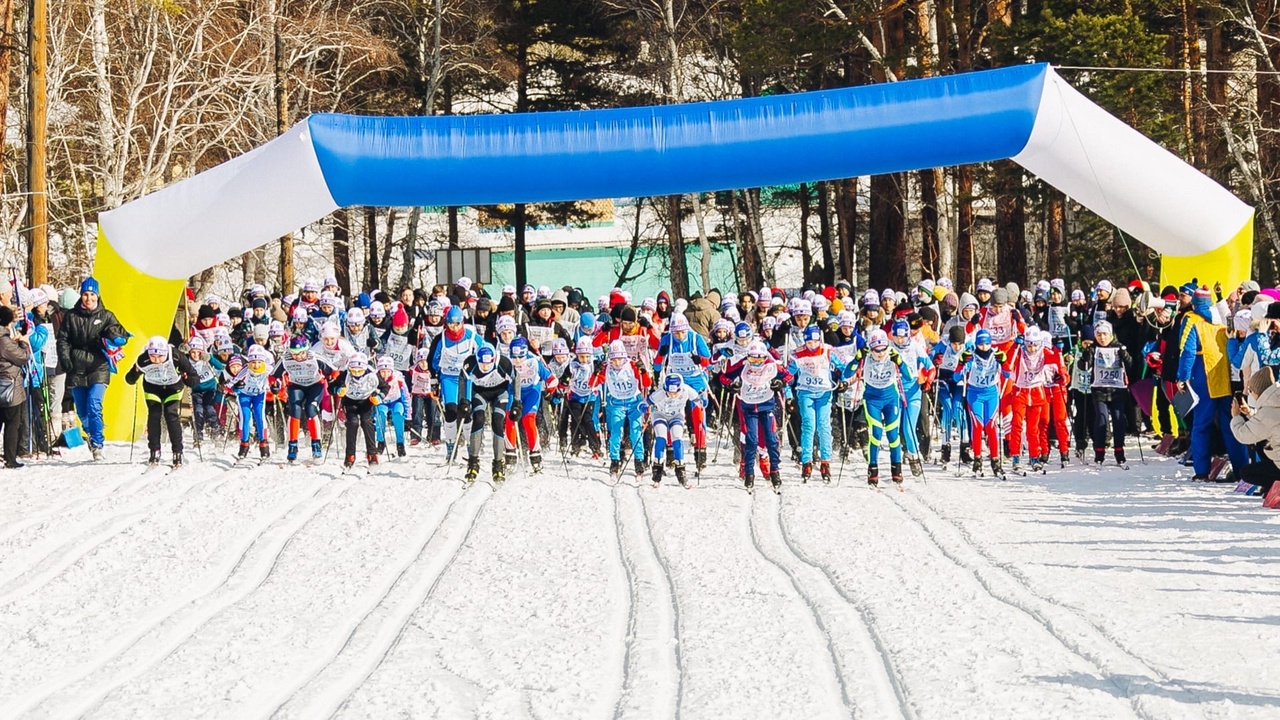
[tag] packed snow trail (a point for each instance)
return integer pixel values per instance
(227, 592)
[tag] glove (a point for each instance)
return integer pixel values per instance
(375, 400)
(517, 409)
(776, 384)
(1018, 341)
(342, 392)
(736, 385)
(842, 386)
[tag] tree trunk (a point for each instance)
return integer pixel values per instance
(964, 229)
(930, 252)
(757, 235)
(1053, 232)
(824, 234)
(371, 279)
(282, 126)
(1216, 154)
(675, 250)
(624, 275)
(1011, 229)
(888, 246)
(342, 250)
(409, 258)
(37, 127)
(806, 256)
(7, 42)
(749, 253)
(704, 243)
(847, 227)
(384, 268)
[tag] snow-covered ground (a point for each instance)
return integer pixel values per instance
(301, 593)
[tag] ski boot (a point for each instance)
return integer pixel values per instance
(499, 471)
(700, 458)
(382, 447)
(805, 471)
(317, 452)
(977, 466)
(776, 480)
(895, 472)
(681, 476)
(671, 460)
(1066, 458)
(824, 468)
(535, 461)
(448, 454)
(1120, 459)
(292, 455)
(510, 457)
(641, 467)
(1037, 465)
(749, 482)
(1099, 455)
(400, 451)
(264, 449)
(373, 459)
(873, 475)
(473, 469)
(795, 455)
(244, 451)
(1015, 465)
(657, 474)
(966, 457)
(96, 452)
(946, 454)
(349, 463)
(917, 467)
(154, 459)
(615, 469)
(996, 468)
(177, 460)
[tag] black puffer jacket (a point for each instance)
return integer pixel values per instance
(80, 348)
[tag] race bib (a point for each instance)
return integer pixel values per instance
(1001, 327)
(622, 385)
(983, 373)
(420, 383)
(879, 374)
(452, 357)
(306, 372)
(163, 374)
(1108, 371)
(682, 364)
(1058, 321)
(204, 371)
(400, 350)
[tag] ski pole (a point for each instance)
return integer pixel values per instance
(133, 431)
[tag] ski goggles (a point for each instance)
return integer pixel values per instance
(757, 359)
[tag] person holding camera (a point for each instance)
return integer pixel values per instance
(1255, 420)
(15, 353)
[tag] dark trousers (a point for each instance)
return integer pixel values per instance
(10, 418)
(169, 413)
(1263, 473)
(204, 407)
(360, 417)
(1115, 409)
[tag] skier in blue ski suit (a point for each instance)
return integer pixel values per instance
(946, 358)
(685, 353)
(624, 387)
(448, 351)
(813, 366)
(914, 361)
(881, 369)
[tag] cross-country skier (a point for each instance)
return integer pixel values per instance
(624, 387)
(582, 378)
(685, 353)
(758, 380)
(914, 363)
(955, 422)
(1106, 362)
(250, 387)
(304, 373)
(361, 391)
(667, 408)
(982, 370)
(425, 423)
(488, 377)
(448, 351)
(394, 406)
(164, 374)
(204, 394)
(813, 365)
(532, 378)
(881, 369)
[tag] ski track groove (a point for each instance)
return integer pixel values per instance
(93, 699)
(636, 528)
(882, 648)
(120, 647)
(117, 490)
(676, 621)
(1016, 575)
(282, 698)
(345, 688)
(1127, 680)
(629, 639)
(833, 657)
(71, 551)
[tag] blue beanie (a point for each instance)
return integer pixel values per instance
(363, 301)
(89, 285)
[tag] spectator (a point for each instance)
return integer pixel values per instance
(1257, 422)
(15, 352)
(89, 332)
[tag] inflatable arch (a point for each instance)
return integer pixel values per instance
(149, 247)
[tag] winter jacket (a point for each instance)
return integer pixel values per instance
(80, 345)
(1263, 425)
(703, 313)
(13, 359)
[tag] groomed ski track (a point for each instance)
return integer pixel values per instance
(266, 592)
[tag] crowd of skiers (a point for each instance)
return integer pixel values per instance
(825, 371)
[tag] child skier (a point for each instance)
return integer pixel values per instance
(164, 373)
(532, 379)
(1033, 377)
(1105, 364)
(361, 392)
(448, 351)
(758, 380)
(685, 353)
(624, 387)
(204, 394)
(666, 414)
(250, 387)
(581, 378)
(488, 378)
(426, 421)
(914, 364)
(394, 405)
(304, 374)
(812, 365)
(881, 369)
(946, 358)
(982, 370)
